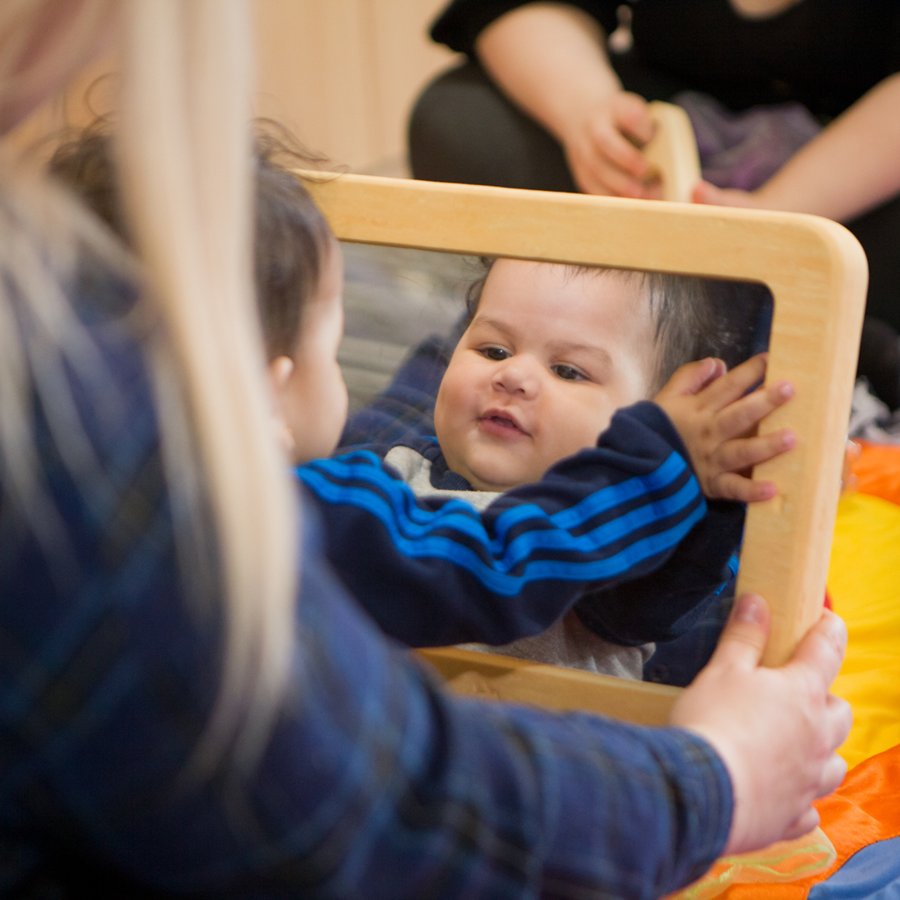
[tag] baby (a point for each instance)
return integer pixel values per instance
(564, 499)
(551, 352)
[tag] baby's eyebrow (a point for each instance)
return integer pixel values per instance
(496, 324)
(563, 348)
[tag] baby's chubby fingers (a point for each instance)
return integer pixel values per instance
(742, 415)
(740, 488)
(735, 383)
(691, 378)
(740, 454)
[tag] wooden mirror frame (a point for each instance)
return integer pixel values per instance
(817, 274)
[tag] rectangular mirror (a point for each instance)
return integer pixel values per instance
(400, 302)
(816, 273)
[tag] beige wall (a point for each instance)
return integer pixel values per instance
(341, 74)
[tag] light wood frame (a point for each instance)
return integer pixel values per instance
(817, 273)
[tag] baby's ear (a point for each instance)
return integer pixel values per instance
(280, 370)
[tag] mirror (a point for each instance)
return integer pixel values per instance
(817, 274)
(396, 298)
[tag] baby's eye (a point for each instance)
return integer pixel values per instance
(568, 373)
(495, 353)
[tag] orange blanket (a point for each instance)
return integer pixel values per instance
(865, 809)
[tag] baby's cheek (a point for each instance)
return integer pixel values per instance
(590, 425)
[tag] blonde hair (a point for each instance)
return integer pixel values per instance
(184, 155)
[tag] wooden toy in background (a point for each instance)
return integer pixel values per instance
(672, 152)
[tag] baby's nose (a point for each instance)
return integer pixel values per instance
(517, 375)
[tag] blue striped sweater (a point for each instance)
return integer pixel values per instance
(622, 530)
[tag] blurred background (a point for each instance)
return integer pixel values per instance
(342, 76)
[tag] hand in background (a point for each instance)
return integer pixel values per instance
(852, 166)
(550, 59)
(717, 421)
(776, 730)
(709, 194)
(601, 145)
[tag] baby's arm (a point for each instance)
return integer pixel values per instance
(717, 420)
(434, 570)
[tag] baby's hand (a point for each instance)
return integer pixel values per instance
(717, 423)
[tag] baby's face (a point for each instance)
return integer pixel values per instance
(537, 376)
(313, 401)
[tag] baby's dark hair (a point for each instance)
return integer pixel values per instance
(684, 319)
(690, 314)
(292, 243)
(292, 238)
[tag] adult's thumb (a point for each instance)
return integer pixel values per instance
(746, 632)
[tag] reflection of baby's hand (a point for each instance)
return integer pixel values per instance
(717, 421)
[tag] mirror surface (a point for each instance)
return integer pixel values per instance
(397, 298)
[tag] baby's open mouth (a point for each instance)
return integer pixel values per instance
(500, 423)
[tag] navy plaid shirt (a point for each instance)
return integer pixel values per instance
(373, 782)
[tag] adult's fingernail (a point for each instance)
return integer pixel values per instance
(750, 609)
(837, 632)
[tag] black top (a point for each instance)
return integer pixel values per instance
(824, 53)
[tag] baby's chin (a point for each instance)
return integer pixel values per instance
(487, 479)
(490, 469)
(490, 486)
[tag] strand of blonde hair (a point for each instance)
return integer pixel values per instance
(184, 148)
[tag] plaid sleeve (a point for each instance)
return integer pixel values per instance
(405, 792)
